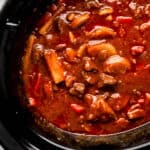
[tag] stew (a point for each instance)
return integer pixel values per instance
(86, 66)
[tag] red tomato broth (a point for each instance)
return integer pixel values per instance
(90, 91)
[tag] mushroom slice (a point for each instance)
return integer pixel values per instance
(71, 16)
(107, 10)
(93, 4)
(116, 64)
(80, 20)
(102, 50)
(101, 32)
(48, 25)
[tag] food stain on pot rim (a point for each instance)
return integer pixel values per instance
(86, 69)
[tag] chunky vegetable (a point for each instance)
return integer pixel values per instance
(80, 20)
(101, 32)
(116, 64)
(102, 50)
(54, 66)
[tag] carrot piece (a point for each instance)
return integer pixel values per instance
(28, 50)
(54, 66)
(48, 25)
(26, 60)
(44, 29)
(77, 108)
(81, 51)
(72, 37)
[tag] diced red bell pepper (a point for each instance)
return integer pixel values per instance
(77, 108)
(135, 50)
(124, 19)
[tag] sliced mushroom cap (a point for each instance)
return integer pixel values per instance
(106, 10)
(48, 25)
(79, 20)
(116, 64)
(101, 32)
(102, 50)
(93, 4)
(70, 16)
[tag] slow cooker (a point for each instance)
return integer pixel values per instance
(15, 132)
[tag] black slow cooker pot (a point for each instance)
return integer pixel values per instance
(17, 19)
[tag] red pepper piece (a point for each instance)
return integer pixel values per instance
(37, 84)
(77, 108)
(140, 66)
(124, 19)
(48, 90)
(135, 50)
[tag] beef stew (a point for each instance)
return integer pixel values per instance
(86, 66)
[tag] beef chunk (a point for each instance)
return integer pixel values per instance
(77, 89)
